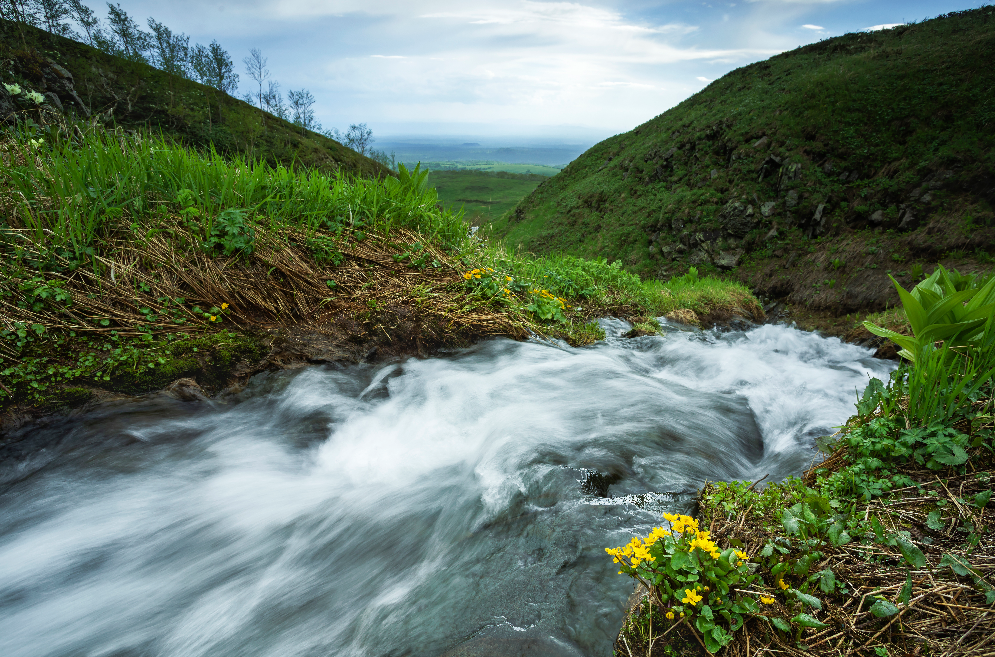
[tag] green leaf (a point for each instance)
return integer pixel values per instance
(808, 621)
(810, 600)
(767, 551)
(883, 608)
(906, 591)
(781, 624)
(838, 536)
(933, 520)
(679, 560)
(981, 499)
(912, 554)
(827, 580)
(959, 566)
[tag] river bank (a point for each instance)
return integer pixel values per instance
(886, 545)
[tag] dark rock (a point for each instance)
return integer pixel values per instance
(760, 143)
(597, 483)
(887, 351)
(738, 218)
(727, 260)
(60, 82)
(907, 221)
(7, 107)
(53, 100)
(186, 390)
(772, 235)
(714, 174)
(877, 217)
(791, 200)
(767, 208)
(818, 224)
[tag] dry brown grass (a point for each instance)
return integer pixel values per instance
(279, 285)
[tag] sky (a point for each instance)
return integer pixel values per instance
(581, 70)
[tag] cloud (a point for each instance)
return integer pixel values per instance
(389, 56)
(813, 27)
(885, 26)
(704, 79)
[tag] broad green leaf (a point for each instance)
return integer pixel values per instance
(958, 565)
(781, 624)
(827, 580)
(933, 520)
(679, 560)
(912, 554)
(883, 608)
(906, 591)
(981, 499)
(810, 600)
(808, 621)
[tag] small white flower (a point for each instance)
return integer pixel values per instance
(36, 97)
(35, 143)
(13, 89)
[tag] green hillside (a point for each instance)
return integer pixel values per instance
(136, 96)
(484, 195)
(809, 176)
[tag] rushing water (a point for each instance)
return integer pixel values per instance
(429, 507)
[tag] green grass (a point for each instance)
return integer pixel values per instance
(484, 196)
(887, 109)
(82, 188)
(116, 250)
(489, 165)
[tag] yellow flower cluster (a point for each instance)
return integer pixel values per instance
(681, 524)
(742, 556)
(783, 586)
(549, 295)
(477, 273)
(767, 601)
(688, 525)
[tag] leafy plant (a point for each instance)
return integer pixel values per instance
(231, 234)
(691, 578)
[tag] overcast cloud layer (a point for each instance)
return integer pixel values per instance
(585, 69)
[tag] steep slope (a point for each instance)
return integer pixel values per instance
(133, 95)
(808, 176)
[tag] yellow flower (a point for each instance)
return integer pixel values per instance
(783, 586)
(507, 278)
(682, 614)
(767, 601)
(224, 306)
(670, 615)
(213, 318)
(507, 291)
(742, 555)
(707, 589)
(691, 597)
(467, 275)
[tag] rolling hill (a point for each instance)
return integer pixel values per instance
(809, 176)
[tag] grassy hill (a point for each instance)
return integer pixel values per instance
(808, 176)
(136, 96)
(485, 196)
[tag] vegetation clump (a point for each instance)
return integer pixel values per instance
(120, 251)
(887, 544)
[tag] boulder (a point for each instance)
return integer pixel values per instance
(760, 143)
(907, 221)
(767, 208)
(791, 200)
(877, 217)
(727, 260)
(59, 81)
(53, 100)
(817, 226)
(738, 218)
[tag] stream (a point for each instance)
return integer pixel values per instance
(457, 505)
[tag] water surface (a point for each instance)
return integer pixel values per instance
(427, 507)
